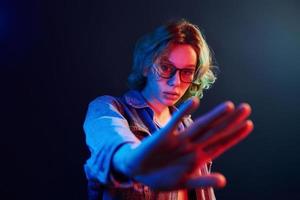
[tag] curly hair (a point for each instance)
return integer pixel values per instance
(149, 47)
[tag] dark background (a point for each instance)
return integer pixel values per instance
(56, 56)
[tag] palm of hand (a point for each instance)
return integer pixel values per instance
(166, 160)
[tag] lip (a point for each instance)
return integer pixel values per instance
(172, 95)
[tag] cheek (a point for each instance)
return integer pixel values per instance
(154, 83)
(159, 85)
(185, 86)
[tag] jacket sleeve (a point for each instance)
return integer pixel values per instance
(106, 130)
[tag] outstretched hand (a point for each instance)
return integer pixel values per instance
(166, 160)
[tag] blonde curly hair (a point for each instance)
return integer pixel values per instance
(149, 47)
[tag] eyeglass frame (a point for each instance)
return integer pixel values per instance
(174, 70)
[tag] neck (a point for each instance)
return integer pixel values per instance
(161, 112)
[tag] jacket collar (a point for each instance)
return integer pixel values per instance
(136, 100)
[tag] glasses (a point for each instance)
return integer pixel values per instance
(168, 71)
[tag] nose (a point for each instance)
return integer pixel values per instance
(175, 79)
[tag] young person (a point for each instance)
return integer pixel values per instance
(142, 146)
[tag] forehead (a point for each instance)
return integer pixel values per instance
(180, 55)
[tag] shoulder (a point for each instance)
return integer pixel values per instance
(131, 98)
(104, 106)
(105, 101)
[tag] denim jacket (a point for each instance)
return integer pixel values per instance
(111, 122)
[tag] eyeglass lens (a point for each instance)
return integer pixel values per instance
(168, 71)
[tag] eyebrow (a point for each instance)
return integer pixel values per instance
(170, 62)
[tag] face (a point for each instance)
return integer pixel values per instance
(164, 91)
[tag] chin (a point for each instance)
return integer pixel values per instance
(170, 102)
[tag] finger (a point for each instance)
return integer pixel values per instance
(240, 114)
(228, 120)
(185, 109)
(215, 180)
(225, 124)
(225, 141)
(208, 120)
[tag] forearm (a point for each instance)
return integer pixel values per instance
(120, 168)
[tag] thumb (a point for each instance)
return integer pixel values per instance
(186, 108)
